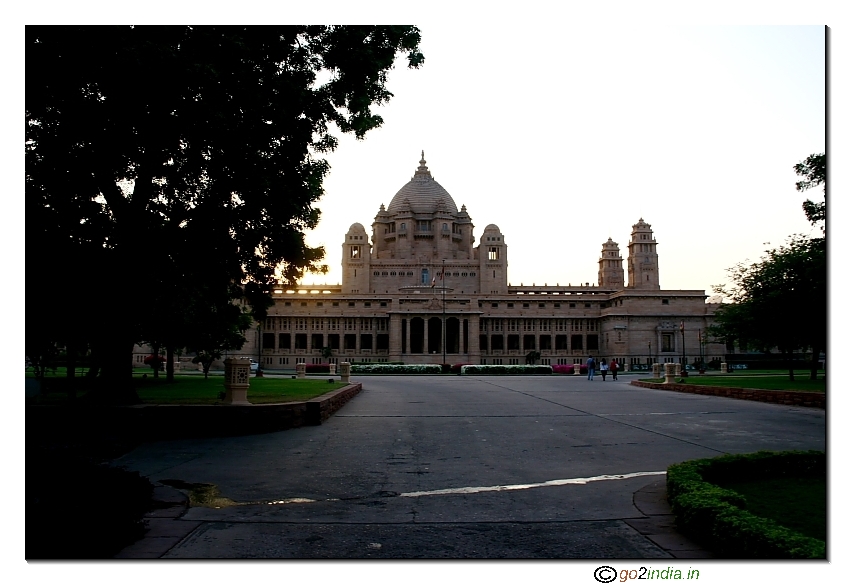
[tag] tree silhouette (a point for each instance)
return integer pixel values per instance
(160, 159)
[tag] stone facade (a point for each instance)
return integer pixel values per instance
(422, 267)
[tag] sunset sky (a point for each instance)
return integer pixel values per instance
(564, 135)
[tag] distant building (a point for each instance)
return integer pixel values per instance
(419, 286)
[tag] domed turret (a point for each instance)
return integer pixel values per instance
(611, 266)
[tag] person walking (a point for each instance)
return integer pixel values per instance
(603, 368)
(591, 368)
(613, 369)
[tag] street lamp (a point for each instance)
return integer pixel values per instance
(682, 328)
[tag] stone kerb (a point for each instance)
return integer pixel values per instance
(301, 370)
(793, 398)
(669, 372)
(237, 372)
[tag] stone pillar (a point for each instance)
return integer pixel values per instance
(669, 372)
(724, 367)
(301, 370)
(626, 367)
(656, 370)
(237, 371)
(345, 372)
(332, 368)
(678, 369)
(576, 369)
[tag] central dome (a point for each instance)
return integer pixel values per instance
(423, 193)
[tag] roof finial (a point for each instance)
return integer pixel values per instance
(422, 171)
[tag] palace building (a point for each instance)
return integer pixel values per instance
(422, 284)
(421, 288)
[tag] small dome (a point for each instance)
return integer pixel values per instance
(491, 227)
(356, 228)
(423, 193)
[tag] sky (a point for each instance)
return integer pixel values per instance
(566, 135)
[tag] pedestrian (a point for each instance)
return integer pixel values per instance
(591, 367)
(613, 369)
(603, 368)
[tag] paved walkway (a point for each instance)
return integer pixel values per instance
(460, 467)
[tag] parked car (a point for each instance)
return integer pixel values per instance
(255, 366)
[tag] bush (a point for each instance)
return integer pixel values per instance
(386, 368)
(318, 368)
(563, 369)
(505, 369)
(718, 517)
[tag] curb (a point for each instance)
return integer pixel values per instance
(793, 398)
(659, 523)
(164, 526)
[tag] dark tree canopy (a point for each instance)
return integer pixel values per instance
(162, 158)
(780, 302)
(813, 172)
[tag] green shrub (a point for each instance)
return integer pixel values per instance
(718, 517)
(505, 369)
(385, 368)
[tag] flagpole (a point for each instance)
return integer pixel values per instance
(443, 277)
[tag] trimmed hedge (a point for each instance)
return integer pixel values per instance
(506, 369)
(385, 368)
(718, 517)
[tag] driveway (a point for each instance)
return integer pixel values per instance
(453, 466)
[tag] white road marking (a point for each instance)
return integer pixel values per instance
(580, 481)
(477, 489)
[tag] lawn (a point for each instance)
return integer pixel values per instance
(196, 390)
(795, 503)
(750, 380)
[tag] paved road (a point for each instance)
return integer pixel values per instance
(408, 469)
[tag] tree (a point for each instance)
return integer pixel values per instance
(813, 172)
(780, 302)
(166, 147)
(216, 328)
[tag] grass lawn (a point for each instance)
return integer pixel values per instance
(196, 390)
(795, 503)
(749, 380)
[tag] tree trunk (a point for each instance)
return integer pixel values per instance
(155, 363)
(813, 375)
(169, 364)
(115, 384)
(70, 361)
(788, 359)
